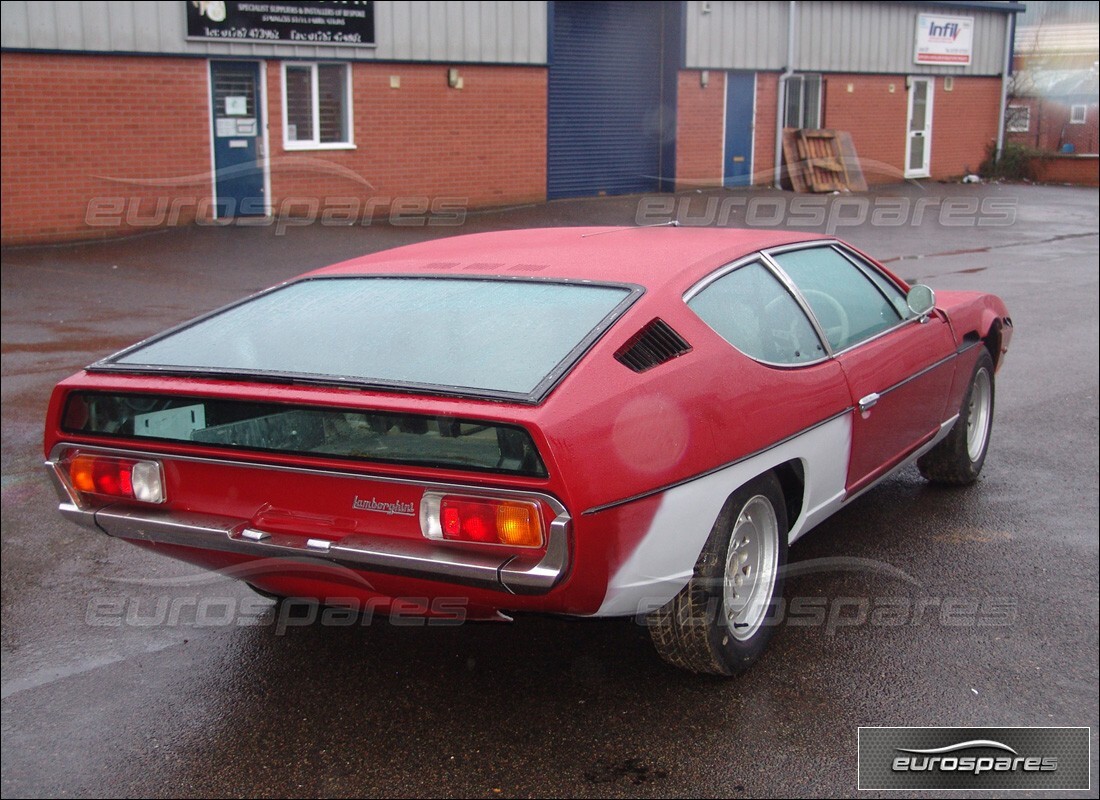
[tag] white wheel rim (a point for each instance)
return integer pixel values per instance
(750, 568)
(978, 415)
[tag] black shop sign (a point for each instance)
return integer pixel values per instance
(347, 24)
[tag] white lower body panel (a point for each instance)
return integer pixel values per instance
(665, 558)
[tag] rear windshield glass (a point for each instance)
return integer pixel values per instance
(306, 430)
(495, 337)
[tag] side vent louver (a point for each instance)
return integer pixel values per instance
(653, 345)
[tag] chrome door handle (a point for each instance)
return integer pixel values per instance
(869, 401)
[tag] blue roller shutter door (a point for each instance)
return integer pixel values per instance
(605, 97)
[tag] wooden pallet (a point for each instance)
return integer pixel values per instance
(822, 164)
(822, 161)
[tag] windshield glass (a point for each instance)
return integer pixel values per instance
(507, 337)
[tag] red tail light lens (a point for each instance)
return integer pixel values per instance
(517, 523)
(110, 476)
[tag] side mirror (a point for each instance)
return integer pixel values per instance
(921, 300)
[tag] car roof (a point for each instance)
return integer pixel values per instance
(650, 256)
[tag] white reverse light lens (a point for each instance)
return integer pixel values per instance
(147, 482)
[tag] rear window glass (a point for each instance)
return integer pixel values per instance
(307, 430)
(495, 337)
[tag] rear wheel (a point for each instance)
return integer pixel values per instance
(722, 620)
(958, 459)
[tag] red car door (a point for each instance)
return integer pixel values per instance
(899, 368)
(899, 383)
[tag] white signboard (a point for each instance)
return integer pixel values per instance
(236, 106)
(944, 40)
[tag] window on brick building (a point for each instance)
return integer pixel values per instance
(316, 106)
(1018, 119)
(1078, 113)
(802, 108)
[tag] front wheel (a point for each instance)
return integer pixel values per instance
(958, 459)
(722, 620)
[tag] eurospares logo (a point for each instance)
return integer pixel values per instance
(974, 758)
(950, 759)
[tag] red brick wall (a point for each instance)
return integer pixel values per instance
(1079, 170)
(132, 132)
(484, 143)
(767, 85)
(964, 121)
(1050, 127)
(699, 128)
(1084, 137)
(99, 146)
(875, 116)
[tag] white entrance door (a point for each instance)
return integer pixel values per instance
(918, 138)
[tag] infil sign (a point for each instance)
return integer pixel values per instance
(944, 40)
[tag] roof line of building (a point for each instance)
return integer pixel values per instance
(1004, 8)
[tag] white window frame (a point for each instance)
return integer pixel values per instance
(1076, 108)
(315, 143)
(799, 78)
(1012, 123)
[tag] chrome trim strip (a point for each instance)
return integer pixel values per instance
(68, 502)
(528, 575)
(860, 264)
(945, 428)
(915, 375)
(761, 258)
(804, 304)
(766, 257)
(536, 573)
(838, 245)
(66, 495)
(786, 248)
(721, 272)
(719, 468)
(427, 485)
(880, 334)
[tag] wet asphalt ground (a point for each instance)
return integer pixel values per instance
(125, 673)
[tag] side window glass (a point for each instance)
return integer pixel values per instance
(753, 311)
(886, 286)
(849, 307)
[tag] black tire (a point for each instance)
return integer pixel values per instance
(957, 460)
(696, 629)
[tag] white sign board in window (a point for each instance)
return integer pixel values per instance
(944, 40)
(236, 106)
